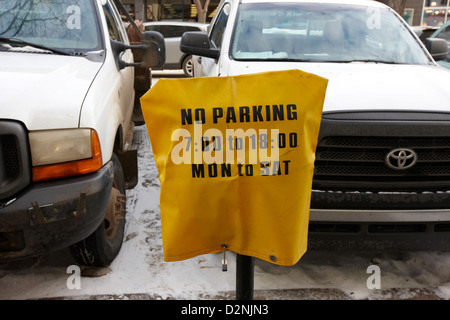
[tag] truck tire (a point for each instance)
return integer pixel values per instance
(103, 245)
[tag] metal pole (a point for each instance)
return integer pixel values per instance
(182, 5)
(244, 277)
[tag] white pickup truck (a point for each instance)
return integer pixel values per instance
(67, 83)
(382, 169)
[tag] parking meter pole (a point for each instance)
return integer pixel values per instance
(244, 277)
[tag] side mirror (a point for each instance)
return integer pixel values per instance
(437, 48)
(197, 43)
(154, 51)
(154, 54)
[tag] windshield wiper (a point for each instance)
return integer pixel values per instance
(370, 60)
(315, 60)
(34, 45)
(274, 59)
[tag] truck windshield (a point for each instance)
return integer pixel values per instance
(322, 32)
(63, 25)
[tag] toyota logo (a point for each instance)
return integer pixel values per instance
(401, 159)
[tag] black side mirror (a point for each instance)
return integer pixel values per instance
(154, 51)
(437, 48)
(197, 43)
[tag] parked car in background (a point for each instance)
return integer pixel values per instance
(444, 33)
(382, 169)
(172, 32)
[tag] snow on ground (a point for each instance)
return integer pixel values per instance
(139, 272)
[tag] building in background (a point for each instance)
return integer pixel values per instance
(435, 13)
(157, 10)
(430, 13)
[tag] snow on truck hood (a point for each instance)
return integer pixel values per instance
(44, 91)
(371, 86)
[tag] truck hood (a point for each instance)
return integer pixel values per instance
(371, 86)
(44, 91)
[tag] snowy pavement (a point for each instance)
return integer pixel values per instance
(140, 272)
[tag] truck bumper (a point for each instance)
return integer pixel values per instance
(379, 230)
(52, 215)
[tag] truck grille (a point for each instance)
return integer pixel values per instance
(14, 163)
(359, 163)
(10, 155)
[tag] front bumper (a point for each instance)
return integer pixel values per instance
(379, 230)
(52, 215)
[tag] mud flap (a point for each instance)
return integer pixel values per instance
(138, 118)
(128, 160)
(142, 83)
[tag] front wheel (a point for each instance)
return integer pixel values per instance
(188, 66)
(102, 246)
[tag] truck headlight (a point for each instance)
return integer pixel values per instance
(63, 153)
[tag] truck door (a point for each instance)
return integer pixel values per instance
(209, 66)
(125, 85)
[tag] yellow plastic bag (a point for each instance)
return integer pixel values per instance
(235, 157)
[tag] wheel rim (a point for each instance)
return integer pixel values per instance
(189, 67)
